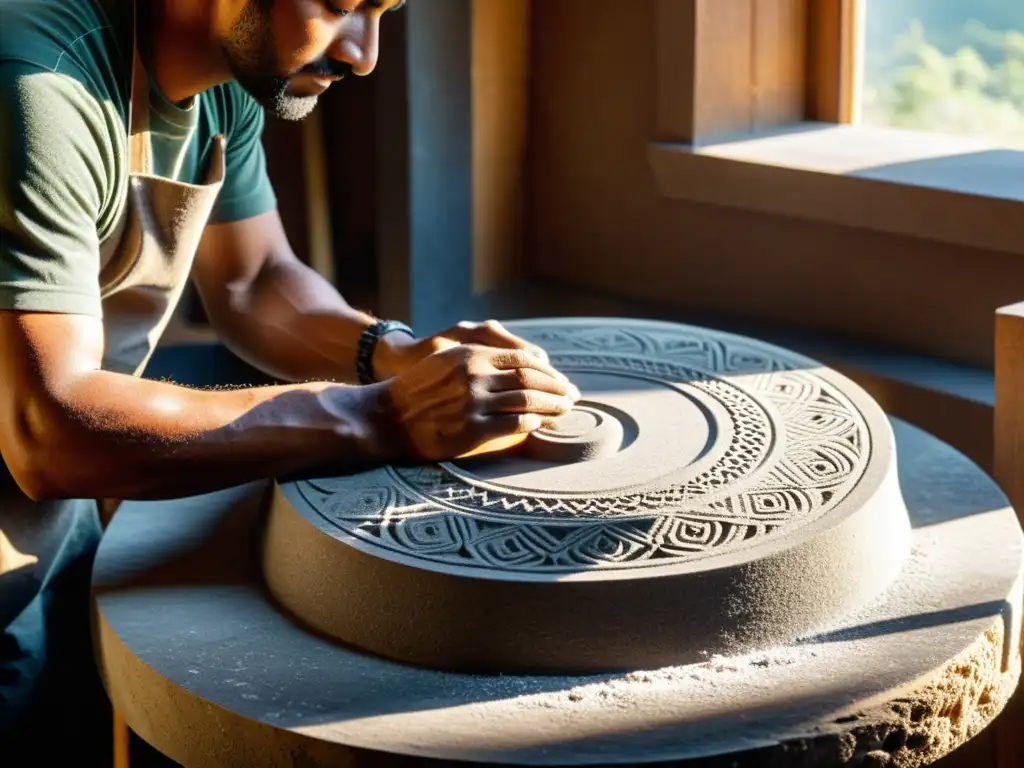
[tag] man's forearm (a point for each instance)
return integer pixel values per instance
(119, 437)
(292, 324)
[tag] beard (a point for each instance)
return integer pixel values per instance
(252, 57)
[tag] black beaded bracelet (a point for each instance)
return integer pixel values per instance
(368, 344)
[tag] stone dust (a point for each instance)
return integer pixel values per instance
(698, 680)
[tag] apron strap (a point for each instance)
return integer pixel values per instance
(139, 145)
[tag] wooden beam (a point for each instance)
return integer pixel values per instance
(728, 67)
(1008, 431)
(724, 91)
(500, 69)
(676, 73)
(705, 70)
(779, 62)
(836, 32)
(1009, 409)
(424, 165)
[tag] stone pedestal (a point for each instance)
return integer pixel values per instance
(710, 495)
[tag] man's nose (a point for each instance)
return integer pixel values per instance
(357, 47)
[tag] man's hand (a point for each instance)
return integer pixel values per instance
(397, 353)
(455, 400)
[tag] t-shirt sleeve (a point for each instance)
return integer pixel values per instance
(54, 149)
(247, 190)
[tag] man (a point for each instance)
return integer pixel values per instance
(130, 158)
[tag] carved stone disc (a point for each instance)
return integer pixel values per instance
(710, 493)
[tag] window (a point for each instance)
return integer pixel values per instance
(948, 66)
(755, 105)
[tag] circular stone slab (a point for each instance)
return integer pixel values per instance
(750, 497)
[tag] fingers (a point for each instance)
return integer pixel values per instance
(509, 359)
(528, 401)
(519, 363)
(512, 424)
(493, 334)
(531, 379)
(499, 333)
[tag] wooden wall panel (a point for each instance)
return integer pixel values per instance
(282, 142)
(779, 62)
(747, 70)
(501, 43)
(351, 138)
(675, 70)
(724, 94)
(1009, 473)
(1009, 410)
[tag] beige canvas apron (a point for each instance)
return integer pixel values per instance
(146, 260)
(145, 264)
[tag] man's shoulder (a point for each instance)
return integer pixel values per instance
(63, 58)
(81, 38)
(62, 109)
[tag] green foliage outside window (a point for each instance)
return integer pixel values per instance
(950, 66)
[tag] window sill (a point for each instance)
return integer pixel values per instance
(906, 183)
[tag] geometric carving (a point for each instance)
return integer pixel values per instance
(787, 446)
(745, 495)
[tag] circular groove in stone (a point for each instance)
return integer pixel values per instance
(698, 427)
(587, 433)
(575, 424)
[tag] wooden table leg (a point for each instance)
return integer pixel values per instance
(1008, 463)
(122, 739)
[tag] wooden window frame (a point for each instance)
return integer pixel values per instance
(835, 48)
(757, 109)
(726, 67)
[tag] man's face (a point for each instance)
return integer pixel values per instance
(287, 52)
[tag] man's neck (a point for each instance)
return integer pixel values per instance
(185, 58)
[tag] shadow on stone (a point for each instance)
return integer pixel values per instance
(915, 622)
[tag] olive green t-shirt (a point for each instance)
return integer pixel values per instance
(65, 74)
